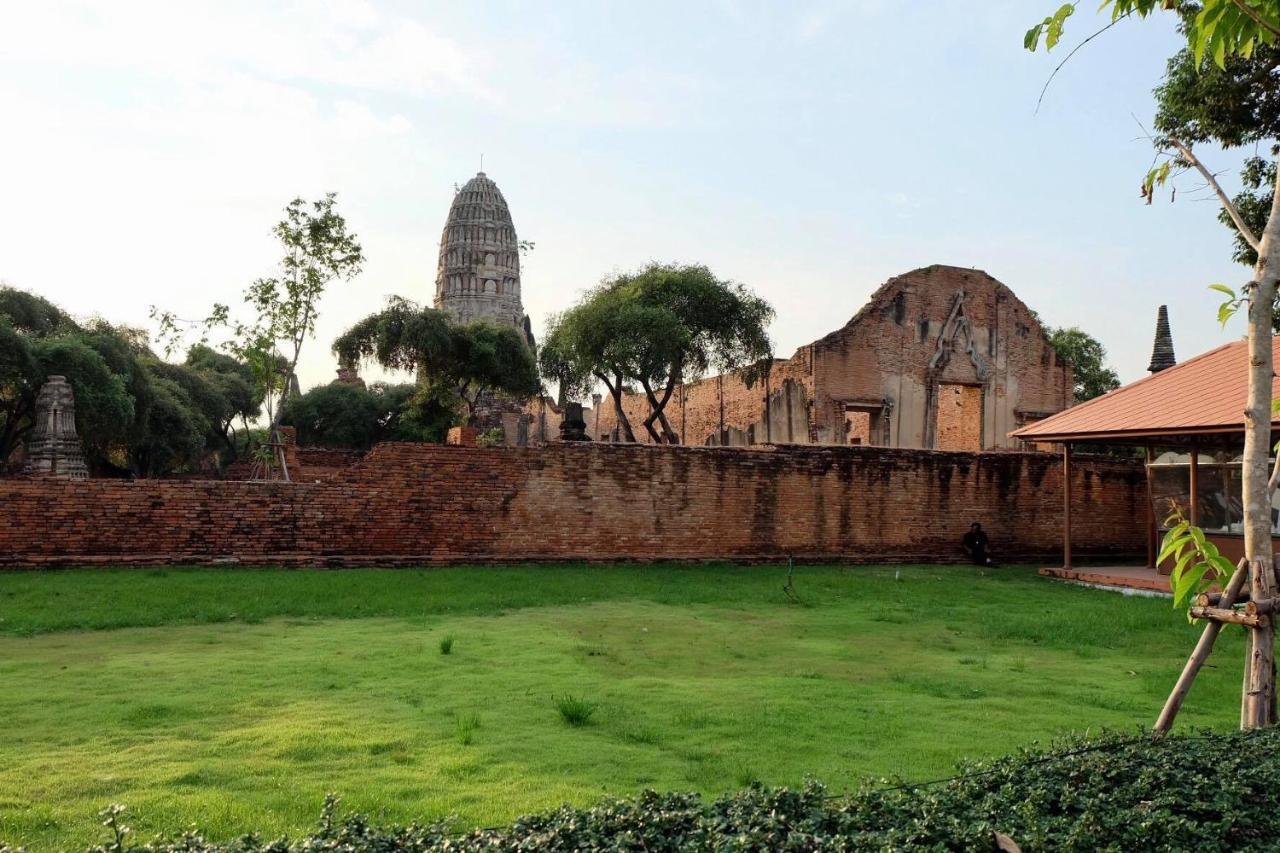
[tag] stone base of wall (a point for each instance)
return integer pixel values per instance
(414, 504)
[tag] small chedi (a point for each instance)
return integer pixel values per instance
(573, 427)
(53, 450)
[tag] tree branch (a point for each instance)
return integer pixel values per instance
(1073, 52)
(1256, 17)
(1227, 204)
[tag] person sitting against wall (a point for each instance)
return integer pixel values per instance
(976, 545)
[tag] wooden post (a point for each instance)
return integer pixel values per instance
(1150, 516)
(1066, 505)
(1195, 485)
(1201, 653)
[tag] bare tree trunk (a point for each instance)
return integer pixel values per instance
(1260, 690)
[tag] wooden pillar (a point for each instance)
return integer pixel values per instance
(1150, 515)
(1195, 485)
(1066, 506)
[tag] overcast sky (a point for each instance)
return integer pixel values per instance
(808, 149)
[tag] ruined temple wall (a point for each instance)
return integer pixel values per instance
(411, 504)
(880, 362)
(885, 351)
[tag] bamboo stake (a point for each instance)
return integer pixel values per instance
(1198, 656)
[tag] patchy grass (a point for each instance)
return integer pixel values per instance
(705, 677)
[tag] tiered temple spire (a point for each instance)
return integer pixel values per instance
(1162, 356)
(478, 276)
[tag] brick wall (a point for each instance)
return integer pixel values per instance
(416, 504)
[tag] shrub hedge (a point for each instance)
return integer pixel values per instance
(1201, 792)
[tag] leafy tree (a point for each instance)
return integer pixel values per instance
(31, 314)
(174, 434)
(234, 381)
(485, 357)
(1223, 30)
(1087, 356)
(135, 414)
(596, 340)
(37, 340)
(352, 417)
(454, 362)
(658, 327)
(317, 250)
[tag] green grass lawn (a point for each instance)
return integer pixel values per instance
(235, 699)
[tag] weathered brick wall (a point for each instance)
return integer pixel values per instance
(417, 504)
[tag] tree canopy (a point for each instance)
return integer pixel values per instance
(454, 362)
(656, 328)
(135, 414)
(1087, 357)
(355, 417)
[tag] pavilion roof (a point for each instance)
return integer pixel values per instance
(1204, 395)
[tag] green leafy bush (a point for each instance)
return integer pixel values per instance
(446, 644)
(1112, 793)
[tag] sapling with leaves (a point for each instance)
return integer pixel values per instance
(1219, 31)
(318, 250)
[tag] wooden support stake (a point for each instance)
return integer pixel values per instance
(1231, 617)
(1260, 684)
(1214, 599)
(1195, 486)
(1267, 605)
(1066, 506)
(1198, 656)
(1150, 515)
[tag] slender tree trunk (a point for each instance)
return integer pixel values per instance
(660, 407)
(657, 413)
(1256, 468)
(615, 391)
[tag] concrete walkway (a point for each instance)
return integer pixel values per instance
(1114, 577)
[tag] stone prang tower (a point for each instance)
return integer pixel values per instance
(478, 277)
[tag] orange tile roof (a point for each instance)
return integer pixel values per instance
(1205, 394)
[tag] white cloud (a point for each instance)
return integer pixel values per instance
(349, 44)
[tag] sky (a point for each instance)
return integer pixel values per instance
(810, 150)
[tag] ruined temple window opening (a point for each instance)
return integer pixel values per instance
(900, 308)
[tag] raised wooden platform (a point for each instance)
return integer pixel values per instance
(1118, 577)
